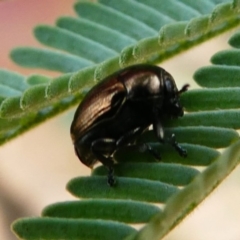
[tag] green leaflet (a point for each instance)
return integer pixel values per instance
(151, 33)
(187, 199)
(184, 12)
(48, 59)
(176, 174)
(13, 81)
(11, 84)
(213, 99)
(214, 137)
(96, 32)
(37, 79)
(217, 76)
(167, 154)
(234, 41)
(73, 43)
(123, 23)
(129, 211)
(151, 17)
(126, 188)
(60, 229)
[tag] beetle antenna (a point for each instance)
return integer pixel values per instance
(183, 89)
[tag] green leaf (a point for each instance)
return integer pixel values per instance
(195, 153)
(218, 76)
(145, 32)
(143, 13)
(71, 229)
(115, 34)
(228, 57)
(11, 84)
(48, 59)
(72, 43)
(36, 95)
(216, 118)
(96, 32)
(101, 14)
(184, 11)
(215, 137)
(211, 99)
(125, 188)
(234, 41)
(37, 79)
(128, 211)
(186, 200)
(171, 173)
(203, 7)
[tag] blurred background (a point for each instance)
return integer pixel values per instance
(35, 167)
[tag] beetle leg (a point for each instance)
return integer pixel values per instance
(146, 147)
(158, 129)
(130, 136)
(99, 147)
(143, 147)
(111, 180)
(182, 152)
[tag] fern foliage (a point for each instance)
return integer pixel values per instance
(107, 36)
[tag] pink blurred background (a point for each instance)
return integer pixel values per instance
(35, 167)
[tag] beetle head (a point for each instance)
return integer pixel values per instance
(171, 104)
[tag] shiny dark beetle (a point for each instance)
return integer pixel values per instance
(120, 108)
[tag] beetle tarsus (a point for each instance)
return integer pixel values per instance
(181, 151)
(146, 147)
(111, 180)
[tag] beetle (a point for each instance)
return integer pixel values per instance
(120, 108)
